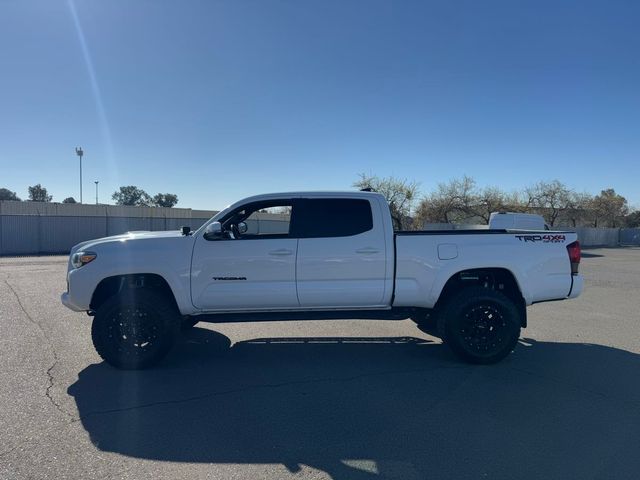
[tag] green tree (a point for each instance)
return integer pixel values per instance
(633, 219)
(69, 200)
(131, 196)
(6, 194)
(399, 193)
(37, 193)
(165, 200)
(609, 209)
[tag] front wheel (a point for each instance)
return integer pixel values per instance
(480, 325)
(135, 329)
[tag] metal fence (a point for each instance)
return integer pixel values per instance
(32, 228)
(629, 236)
(598, 237)
(36, 234)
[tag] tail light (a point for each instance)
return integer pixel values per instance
(574, 256)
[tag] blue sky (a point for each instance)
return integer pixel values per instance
(216, 100)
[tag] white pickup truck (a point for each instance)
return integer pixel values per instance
(330, 255)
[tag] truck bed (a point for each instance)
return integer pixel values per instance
(426, 259)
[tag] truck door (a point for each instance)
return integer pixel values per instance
(341, 256)
(254, 269)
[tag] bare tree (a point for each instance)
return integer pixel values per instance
(461, 201)
(400, 194)
(549, 199)
(579, 209)
(454, 201)
(493, 199)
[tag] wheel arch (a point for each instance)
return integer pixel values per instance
(494, 278)
(115, 284)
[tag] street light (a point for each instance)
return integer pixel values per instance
(96, 182)
(79, 152)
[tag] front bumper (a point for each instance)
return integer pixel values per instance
(66, 301)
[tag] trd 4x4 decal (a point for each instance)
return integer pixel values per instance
(542, 238)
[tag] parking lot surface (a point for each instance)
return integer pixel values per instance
(324, 399)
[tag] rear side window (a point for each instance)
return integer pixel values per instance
(334, 217)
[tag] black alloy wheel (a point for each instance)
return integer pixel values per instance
(481, 325)
(135, 329)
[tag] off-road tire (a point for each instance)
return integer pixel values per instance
(135, 329)
(480, 325)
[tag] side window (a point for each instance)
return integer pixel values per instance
(262, 220)
(270, 220)
(333, 217)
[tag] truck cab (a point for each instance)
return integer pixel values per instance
(323, 252)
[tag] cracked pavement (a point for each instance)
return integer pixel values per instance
(323, 399)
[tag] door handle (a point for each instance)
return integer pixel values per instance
(367, 251)
(280, 252)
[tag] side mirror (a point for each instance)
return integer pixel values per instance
(242, 228)
(213, 231)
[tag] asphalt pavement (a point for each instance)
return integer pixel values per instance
(336, 399)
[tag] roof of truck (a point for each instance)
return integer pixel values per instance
(318, 193)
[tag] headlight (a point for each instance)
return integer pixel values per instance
(82, 258)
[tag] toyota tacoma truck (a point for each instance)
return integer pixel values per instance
(318, 255)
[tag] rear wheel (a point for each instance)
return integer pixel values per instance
(480, 325)
(135, 329)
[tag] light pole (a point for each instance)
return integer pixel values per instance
(96, 182)
(79, 152)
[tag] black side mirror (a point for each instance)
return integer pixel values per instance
(213, 231)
